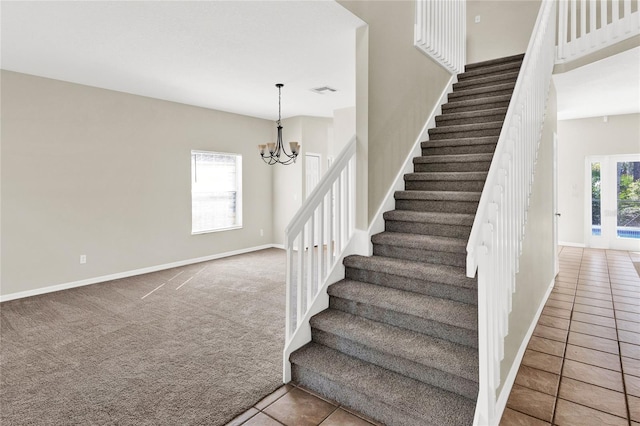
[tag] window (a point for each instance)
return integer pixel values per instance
(216, 191)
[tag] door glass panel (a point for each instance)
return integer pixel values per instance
(596, 214)
(628, 199)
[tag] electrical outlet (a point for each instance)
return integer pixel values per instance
(83, 258)
(477, 19)
(262, 233)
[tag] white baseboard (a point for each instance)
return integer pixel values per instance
(103, 278)
(501, 402)
(568, 244)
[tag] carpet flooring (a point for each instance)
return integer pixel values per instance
(195, 345)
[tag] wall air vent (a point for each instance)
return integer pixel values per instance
(324, 89)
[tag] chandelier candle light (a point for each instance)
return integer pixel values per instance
(271, 151)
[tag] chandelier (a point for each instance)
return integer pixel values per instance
(271, 152)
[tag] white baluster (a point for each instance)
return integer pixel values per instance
(592, 23)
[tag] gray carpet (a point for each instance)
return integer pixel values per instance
(103, 354)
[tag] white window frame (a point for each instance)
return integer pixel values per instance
(238, 207)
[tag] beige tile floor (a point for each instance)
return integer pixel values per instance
(582, 364)
(294, 406)
(581, 367)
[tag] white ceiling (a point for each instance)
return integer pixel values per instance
(228, 55)
(225, 55)
(607, 87)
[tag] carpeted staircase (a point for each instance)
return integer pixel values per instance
(399, 340)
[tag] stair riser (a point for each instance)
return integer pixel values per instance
(439, 230)
(461, 96)
(452, 107)
(489, 71)
(437, 206)
(502, 78)
(410, 322)
(444, 120)
(461, 149)
(443, 185)
(425, 374)
(420, 255)
(464, 134)
(445, 291)
(357, 401)
(479, 166)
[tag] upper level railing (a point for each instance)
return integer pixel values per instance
(495, 242)
(317, 235)
(585, 26)
(440, 32)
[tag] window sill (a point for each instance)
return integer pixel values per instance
(230, 228)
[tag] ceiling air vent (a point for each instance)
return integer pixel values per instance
(324, 89)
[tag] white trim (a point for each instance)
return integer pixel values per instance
(389, 202)
(103, 278)
(501, 402)
(568, 244)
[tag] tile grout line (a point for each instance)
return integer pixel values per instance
(566, 344)
(615, 319)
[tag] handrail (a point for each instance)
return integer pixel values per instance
(317, 235)
(440, 32)
(495, 241)
(584, 26)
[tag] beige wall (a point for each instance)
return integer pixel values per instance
(403, 87)
(536, 262)
(107, 174)
(289, 191)
(578, 139)
(344, 128)
(504, 28)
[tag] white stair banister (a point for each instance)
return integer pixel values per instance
(495, 241)
(315, 242)
(615, 24)
(440, 32)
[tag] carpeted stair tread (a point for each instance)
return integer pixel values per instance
(389, 397)
(491, 62)
(438, 195)
(482, 102)
(445, 176)
(489, 69)
(485, 140)
(482, 90)
(455, 128)
(457, 314)
(428, 272)
(453, 158)
(459, 219)
(467, 115)
(508, 76)
(424, 242)
(470, 196)
(429, 351)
